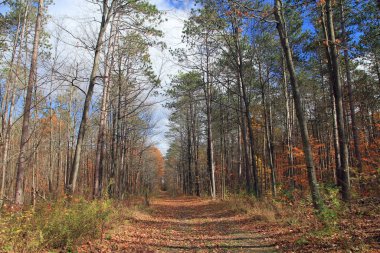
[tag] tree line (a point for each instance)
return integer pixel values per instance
(277, 98)
(56, 138)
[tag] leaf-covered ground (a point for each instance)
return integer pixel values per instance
(187, 224)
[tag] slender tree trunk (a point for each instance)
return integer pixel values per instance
(189, 154)
(195, 151)
(7, 134)
(355, 134)
(98, 179)
(268, 132)
(210, 145)
(70, 137)
(288, 127)
(245, 141)
(240, 162)
(338, 173)
(51, 153)
(118, 131)
(19, 191)
(34, 179)
(337, 88)
(239, 63)
(252, 143)
(8, 82)
(106, 15)
(59, 160)
(278, 12)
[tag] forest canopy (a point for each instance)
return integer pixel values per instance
(276, 100)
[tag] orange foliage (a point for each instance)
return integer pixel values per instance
(256, 125)
(298, 152)
(158, 159)
(321, 2)
(47, 127)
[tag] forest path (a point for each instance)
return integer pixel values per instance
(188, 224)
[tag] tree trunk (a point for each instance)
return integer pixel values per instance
(239, 65)
(288, 127)
(268, 132)
(106, 15)
(98, 179)
(355, 134)
(338, 94)
(338, 174)
(189, 150)
(278, 12)
(195, 151)
(210, 145)
(9, 80)
(7, 135)
(19, 191)
(245, 141)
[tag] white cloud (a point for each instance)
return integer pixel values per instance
(73, 13)
(163, 63)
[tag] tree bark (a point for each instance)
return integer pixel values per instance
(288, 127)
(247, 113)
(338, 94)
(19, 191)
(314, 188)
(245, 141)
(98, 179)
(106, 15)
(267, 115)
(338, 174)
(210, 145)
(7, 134)
(355, 134)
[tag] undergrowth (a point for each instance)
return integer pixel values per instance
(330, 228)
(294, 213)
(264, 210)
(60, 225)
(329, 215)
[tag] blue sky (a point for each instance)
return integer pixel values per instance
(3, 8)
(72, 12)
(180, 4)
(176, 12)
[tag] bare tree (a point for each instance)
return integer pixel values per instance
(107, 14)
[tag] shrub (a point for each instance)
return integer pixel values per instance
(264, 210)
(329, 214)
(58, 225)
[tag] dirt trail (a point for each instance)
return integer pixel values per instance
(188, 225)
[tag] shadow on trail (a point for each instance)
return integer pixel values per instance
(190, 224)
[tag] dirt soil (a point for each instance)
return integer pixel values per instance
(187, 224)
(191, 224)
